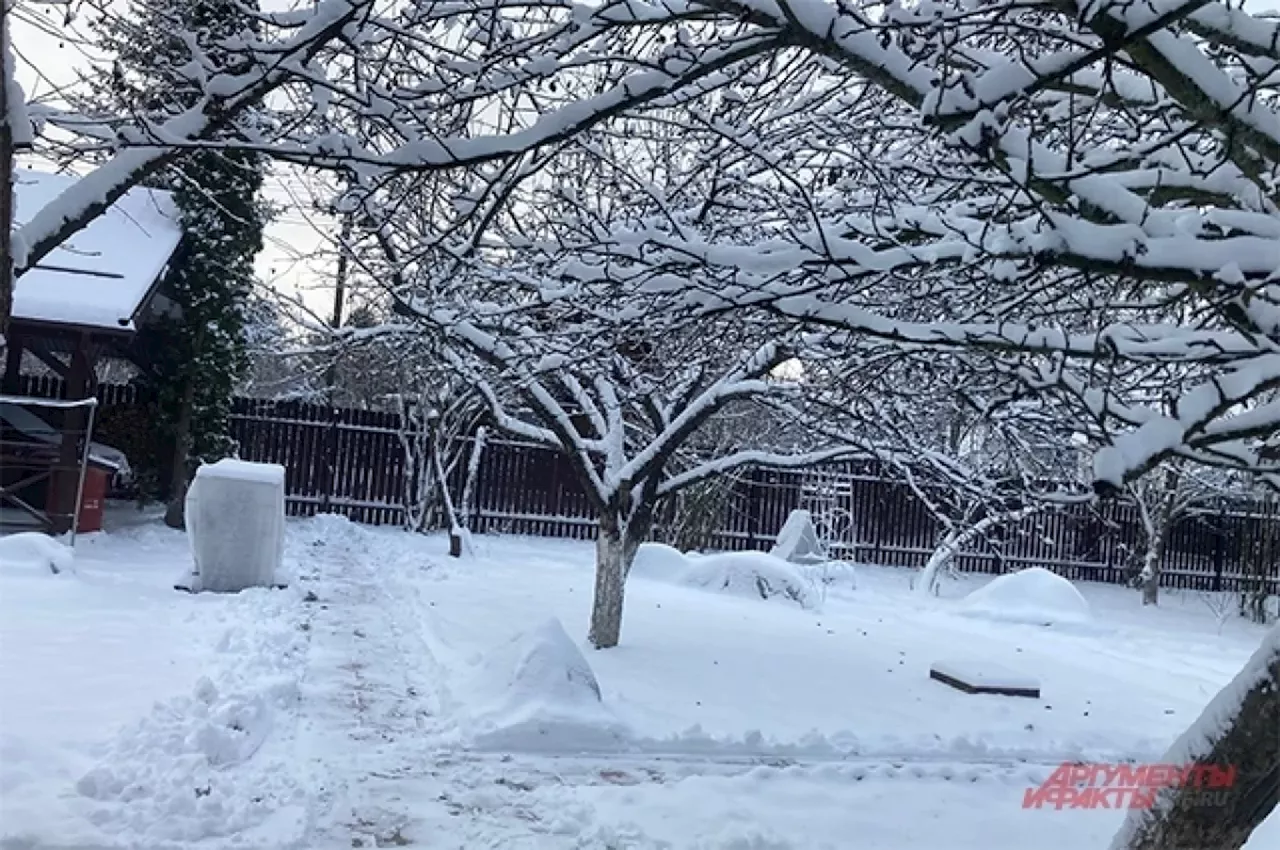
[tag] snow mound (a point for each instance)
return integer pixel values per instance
(538, 692)
(751, 574)
(1035, 596)
(33, 553)
(798, 540)
(658, 562)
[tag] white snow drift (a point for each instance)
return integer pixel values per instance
(658, 562)
(33, 553)
(1035, 596)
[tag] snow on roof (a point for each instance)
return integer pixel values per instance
(100, 276)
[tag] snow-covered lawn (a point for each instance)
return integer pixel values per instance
(380, 701)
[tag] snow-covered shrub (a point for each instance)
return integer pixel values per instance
(751, 574)
(1035, 595)
(33, 553)
(832, 574)
(659, 562)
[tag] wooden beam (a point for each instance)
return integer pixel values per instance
(40, 348)
(66, 480)
(982, 678)
(13, 362)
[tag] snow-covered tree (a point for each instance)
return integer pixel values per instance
(624, 422)
(1085, 191)
(15, 133)
(192, 358)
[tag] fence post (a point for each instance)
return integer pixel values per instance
(877, 529)
(753, 509)
(330, 458)
(1219, 553)
(477, 522)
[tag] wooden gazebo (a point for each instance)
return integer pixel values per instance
(84, 301)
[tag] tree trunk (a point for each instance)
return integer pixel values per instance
(467, 510)
(6, 177)
(611, 580)
(175, 515)
(1159, 529)
(446, 500)
(1240, 731)
(1149, 580)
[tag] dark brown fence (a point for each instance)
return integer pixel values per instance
(336, 460)
(352, 462)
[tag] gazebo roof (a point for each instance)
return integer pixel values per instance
(100, 277)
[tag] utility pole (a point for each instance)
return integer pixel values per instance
(340, 292)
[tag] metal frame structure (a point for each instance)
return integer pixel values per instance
(8, 491)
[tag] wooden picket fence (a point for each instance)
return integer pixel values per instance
(352, 462)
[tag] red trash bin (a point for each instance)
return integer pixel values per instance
(93, 501)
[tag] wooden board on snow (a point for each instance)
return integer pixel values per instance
(983, 677)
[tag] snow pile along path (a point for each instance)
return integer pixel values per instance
(538, 692)
(199, 766)
(136, 716)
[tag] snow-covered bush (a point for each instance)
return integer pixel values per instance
(1036, 596)
(659, 562)
(832, 574)
(751, 574)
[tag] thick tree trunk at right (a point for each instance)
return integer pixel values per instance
(6, 178)
(1240, 730)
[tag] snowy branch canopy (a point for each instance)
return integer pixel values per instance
(1087, 192)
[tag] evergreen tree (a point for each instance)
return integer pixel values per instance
(191, 362)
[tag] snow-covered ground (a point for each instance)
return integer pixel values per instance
(393, 697)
